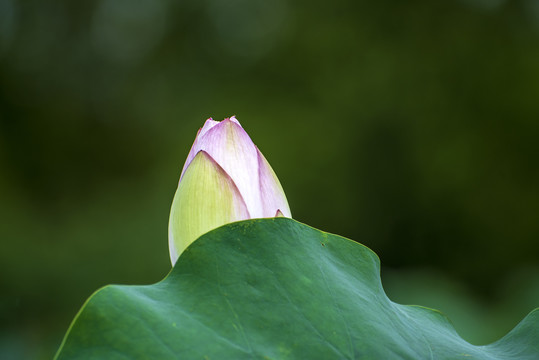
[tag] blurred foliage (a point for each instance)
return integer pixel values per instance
(410, 127)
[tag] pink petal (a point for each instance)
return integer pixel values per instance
(195, 148)
(233, 150)
(272, 193)
(207, 126)
(233, 119)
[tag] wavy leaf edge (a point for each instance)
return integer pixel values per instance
(523, 325)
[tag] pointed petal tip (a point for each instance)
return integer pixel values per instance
(232, 125)
(210, 123)
(204, 153)
(279, 213)
(232, 119)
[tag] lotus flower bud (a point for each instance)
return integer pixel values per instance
(225, 179)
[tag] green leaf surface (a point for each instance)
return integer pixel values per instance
(274, 289)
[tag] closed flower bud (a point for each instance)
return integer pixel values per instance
(225, 179)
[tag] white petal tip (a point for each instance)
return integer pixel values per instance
(234, 120)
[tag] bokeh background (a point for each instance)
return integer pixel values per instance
(409, 126)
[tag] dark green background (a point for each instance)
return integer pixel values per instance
(409, 126)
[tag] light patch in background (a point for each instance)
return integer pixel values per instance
(531, 8)
(39, 32)
(484, 4)
(126, 31)
(8, 24)
(247, 28)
